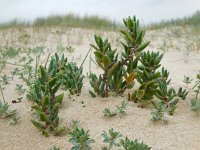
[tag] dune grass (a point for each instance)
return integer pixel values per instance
(193, 21)
(96, 22)
(69, 20)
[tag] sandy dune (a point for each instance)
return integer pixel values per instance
(181, 133)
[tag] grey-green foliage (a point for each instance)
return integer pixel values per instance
(115, 140)
(5, 79)
(120, 110)
(19, 88)
(6, 112)
(80, 139)
(111, 138)
(118, 72)
(158, 113)
(195, 102)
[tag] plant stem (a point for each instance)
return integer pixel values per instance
(85, 57)
(2, 94)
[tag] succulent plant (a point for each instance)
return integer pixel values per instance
(128, 144)
(119, 73)
(69, 74)
(73, 78)
(46, 102)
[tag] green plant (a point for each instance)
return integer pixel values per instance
(71, 75)
(119, 73)
(115, 140)
(111, 138)
(169, 96)
(55, 148)
(80, 139)
(70, 49)
(128, 144)
(187, 80)
(120, 110)
(5, 112)
(73, 78)
(195, 102)
(147, 76)
(5, 79)
(19, 88)
(158, 113)
(46, 102)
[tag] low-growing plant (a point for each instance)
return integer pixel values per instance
(115, 140)
(70, 49)
(128, 144)
(19, 88)
(46, 102)
(6, 112)
(120, 110)
(187, 80)
(111, 138)
(55, 148)
(5, 79)
(80, 139)
(195, 102)
(158, 113)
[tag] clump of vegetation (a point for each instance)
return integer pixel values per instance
(70, 74)
(73, 78)
(6, 112)
(192, 20)
(111, 138)
(120, 110)
(115, 140)
(5, 79)
(80, 139)
(46, 102)
(118, 71)
(128, 144)
(158, 113)
(147, 76)
(68, 20)
(19, 88)
(70, 49)
(195, 102)
(187, 80)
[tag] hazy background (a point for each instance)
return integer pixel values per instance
(147, 10)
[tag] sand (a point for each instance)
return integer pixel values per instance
(181, 133)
